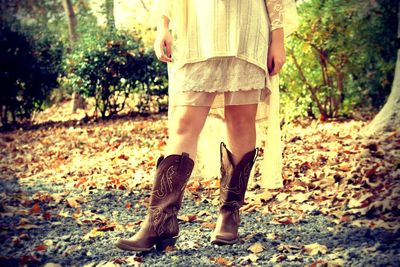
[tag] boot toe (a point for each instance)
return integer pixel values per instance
(224, 239)
(130, 245)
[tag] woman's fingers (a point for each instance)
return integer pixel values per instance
(159, 50)
(168, 49)
(162, 57)
(276, 57)
(277, 66)
(270, 64)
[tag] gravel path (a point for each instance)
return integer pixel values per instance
(66, 239)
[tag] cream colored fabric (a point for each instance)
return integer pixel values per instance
(204, 29)
(218, 82)
(230, 70)
(275, 13)
(229, 28)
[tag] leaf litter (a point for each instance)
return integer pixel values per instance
(327, 170)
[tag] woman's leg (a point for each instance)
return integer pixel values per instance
(241, 132)
(241, 129)
(160, 227)
(184, 129)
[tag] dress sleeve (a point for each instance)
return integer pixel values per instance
(275, 13)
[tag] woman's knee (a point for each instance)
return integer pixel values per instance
(189, 121)
(240, 116)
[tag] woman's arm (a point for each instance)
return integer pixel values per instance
(276, 49)
(163, 37)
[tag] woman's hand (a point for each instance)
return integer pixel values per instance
(163, 39)
(276, 52)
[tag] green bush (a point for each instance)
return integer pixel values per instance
(110, 66)
(342, 57)
(29, 65)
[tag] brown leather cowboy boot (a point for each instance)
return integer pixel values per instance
(233, 186)
(160, 227)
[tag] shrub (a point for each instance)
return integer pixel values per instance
(29, 66)
(110, 67)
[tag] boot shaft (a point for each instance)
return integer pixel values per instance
(172, 175)
(234, 179)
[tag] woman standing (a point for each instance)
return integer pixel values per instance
(221, 57)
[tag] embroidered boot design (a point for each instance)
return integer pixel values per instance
(160, 227)
(234, 180)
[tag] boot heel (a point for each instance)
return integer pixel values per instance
(165, 243)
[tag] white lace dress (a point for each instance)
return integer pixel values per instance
(221, 81)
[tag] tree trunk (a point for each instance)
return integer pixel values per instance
(72, 22)
(109, 10)
(388, 119)
(77, 100)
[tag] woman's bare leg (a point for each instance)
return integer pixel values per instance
(184, 129)
(241, 129)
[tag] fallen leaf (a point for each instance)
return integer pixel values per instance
(26, 224)
(35, 209)
(281, 196)
(40, 247)
(288, 248)
(318, 263)
(284, 220)
(72, 202)
(169, 249)
(221, 261)
(208, 225)
(294, 257)
(134, 260)
(251, 257)
(277, 258)
(314, 249)
(203, 213)
(188, 218)
(52, 264)
(300, 197)
(271, 236)
(92, 233)
(256, 247)
(106, 228)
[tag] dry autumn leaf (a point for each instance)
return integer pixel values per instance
(40, 247)
(221, 261)
(208, 225)
(188, 218)
(249, 258)
(72, 202)
(314, 249)
(277, 258)
(52, 264)
(256, 248)
(35, 209)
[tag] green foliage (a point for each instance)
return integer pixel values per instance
(342, 57)
(110, 66)
(29, 66)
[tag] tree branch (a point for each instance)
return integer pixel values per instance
(144, 6)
